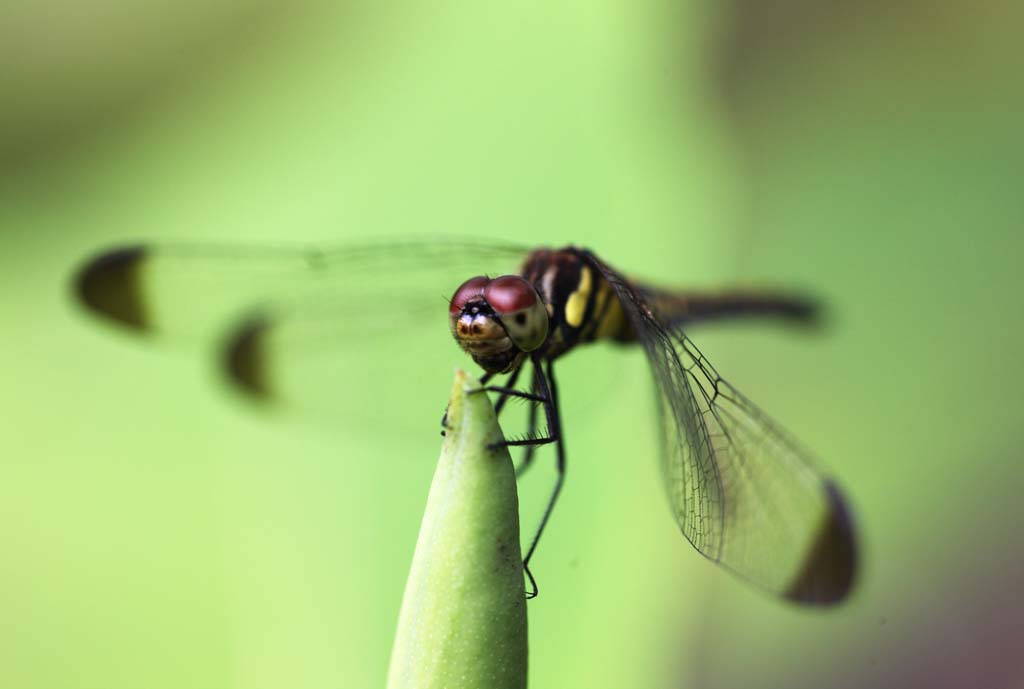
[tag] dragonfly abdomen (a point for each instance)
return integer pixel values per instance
(680, 308)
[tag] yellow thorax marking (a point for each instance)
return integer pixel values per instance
(611, 317)
(602, 296)
(576, 305)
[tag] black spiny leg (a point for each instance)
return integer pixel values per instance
(531, 418)
(547, 389)
(534, 396)
(531, 431)
(510, 383)
(505, 392)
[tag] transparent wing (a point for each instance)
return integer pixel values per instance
(743, 492)
(297, 317)
(183, 290)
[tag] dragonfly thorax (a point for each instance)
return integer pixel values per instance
(498, 321)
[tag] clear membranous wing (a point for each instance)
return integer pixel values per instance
(743, 493)
(280, 310)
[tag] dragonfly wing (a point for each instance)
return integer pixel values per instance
(742, 491)
(290, 306)
(182, 290)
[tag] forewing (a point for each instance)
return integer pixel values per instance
(291, 317)
(183, 290)
(742, 491)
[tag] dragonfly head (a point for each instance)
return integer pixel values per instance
(497, 321)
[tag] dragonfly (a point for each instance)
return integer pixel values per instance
(744, 493)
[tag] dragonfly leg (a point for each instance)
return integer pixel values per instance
(510, 383)
(444, 419)
(531, 440)
(525, 442)
(531, 430)
(547, 387)
(512, 392)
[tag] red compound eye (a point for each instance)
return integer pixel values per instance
(510, 293)
(473, 287)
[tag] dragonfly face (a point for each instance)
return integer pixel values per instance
(743, 492)
(498, 321)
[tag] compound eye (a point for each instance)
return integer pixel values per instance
(471, 288)
(510, 293)
(520, 309)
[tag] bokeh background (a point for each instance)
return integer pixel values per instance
(156, 531)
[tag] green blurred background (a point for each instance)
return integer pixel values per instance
(156, 532)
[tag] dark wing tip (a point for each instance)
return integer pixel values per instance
(245, 358)
(109, 285)
(831, 567)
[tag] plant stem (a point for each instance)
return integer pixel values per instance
(463, 618)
